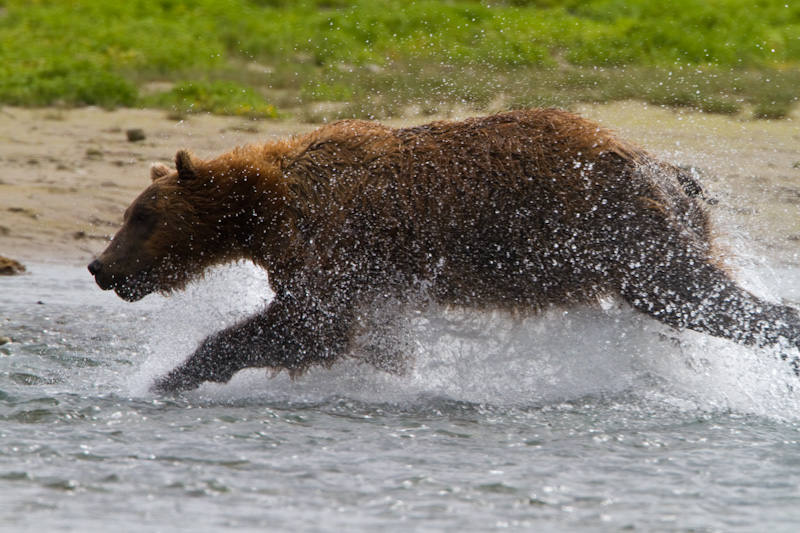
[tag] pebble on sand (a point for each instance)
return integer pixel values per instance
(135, 134)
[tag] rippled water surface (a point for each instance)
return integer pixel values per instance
(587, 420)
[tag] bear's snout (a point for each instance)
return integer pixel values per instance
(130, 286)
(95, 267)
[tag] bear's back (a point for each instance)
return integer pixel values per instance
(493, 207)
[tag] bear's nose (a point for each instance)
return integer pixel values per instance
(95, 266)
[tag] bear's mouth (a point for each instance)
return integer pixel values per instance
(130, 288)
(132, 293)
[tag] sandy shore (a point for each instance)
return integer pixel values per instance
(67, 175)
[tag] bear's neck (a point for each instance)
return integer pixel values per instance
(250, 198)
(250, 217)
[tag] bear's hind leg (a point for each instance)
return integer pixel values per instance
(689, 292)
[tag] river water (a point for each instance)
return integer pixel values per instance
(577, 420)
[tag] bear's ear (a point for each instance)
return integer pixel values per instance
(186, 165)
(159, 170)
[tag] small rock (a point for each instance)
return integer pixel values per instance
(9, 267)
(4, 340)
(135, 134)
(94, 153)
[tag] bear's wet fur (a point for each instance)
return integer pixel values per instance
(517, 211)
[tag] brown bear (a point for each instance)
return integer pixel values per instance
(517, 211)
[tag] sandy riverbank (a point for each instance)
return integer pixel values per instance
(67, 175)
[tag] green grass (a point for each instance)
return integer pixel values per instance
(220, 98)
(377, 58)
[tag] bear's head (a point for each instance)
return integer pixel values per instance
(186, 220)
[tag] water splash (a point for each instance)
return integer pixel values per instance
(491, 358)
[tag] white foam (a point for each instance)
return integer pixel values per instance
(182, 320)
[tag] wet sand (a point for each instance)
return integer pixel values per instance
(67, 175)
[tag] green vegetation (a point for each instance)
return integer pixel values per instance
(219, 97)
(377, 58)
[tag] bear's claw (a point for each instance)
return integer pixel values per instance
(174, 382)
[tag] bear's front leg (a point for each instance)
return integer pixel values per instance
(288, 336)
(212, 361)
